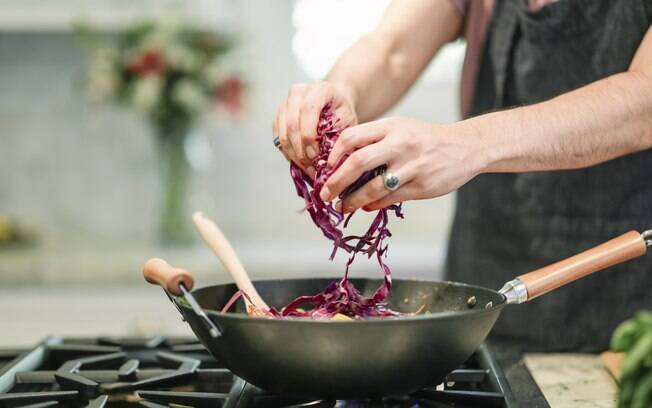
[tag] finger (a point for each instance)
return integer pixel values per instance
(346, 116)
(314, 101)
(276, 141)
(309, 170)
(292, 115)
(282, 150)
(375, 189)
(275, 125)
(275, 130)
(286, 143)
(357, 137)
(404, 193)
(365, 159)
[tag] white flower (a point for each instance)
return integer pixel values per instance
(102, 86)
(103, 80)
(181, 57)
(146, 93)
(189, 95)
(213, 74)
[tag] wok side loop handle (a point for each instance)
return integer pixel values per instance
(541, 281)
(158, 272)
(177, 282)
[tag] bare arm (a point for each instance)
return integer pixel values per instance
(601, 121)
(369, 77)
(609, 118)
(380, 67)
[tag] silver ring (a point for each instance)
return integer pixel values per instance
(277, 142)
(391, 181)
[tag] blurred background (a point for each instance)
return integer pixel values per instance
(104, 157)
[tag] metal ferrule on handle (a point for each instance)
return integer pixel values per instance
(541, 281)
(177, 282)
(212, 328)
(647, 236)
(514, 291)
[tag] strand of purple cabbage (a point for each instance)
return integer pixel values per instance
(339, 297)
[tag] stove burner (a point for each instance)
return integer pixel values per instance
(163, 372)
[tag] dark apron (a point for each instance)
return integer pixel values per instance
(509, 224)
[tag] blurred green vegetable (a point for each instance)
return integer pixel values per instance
(183, 301)
(634, 338)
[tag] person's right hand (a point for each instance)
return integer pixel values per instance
(297, 117)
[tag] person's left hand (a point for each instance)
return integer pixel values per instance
(430, 160)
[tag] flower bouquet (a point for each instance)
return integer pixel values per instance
(172, 74)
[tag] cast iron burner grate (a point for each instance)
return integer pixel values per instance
(162, 372)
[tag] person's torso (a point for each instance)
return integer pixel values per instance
(507, 224)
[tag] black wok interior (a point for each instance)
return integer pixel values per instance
(406, 296)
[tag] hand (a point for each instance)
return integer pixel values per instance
(296, 121)
(430, 160)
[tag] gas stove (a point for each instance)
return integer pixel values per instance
(160, 372)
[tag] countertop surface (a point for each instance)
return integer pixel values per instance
(571, 380)
(564, 380)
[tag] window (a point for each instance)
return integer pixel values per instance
(345, 21)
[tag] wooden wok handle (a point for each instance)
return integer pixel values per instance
(158, 272)
(618, 250)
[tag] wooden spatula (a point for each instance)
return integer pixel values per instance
(221, 246)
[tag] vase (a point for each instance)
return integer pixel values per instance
(174, 222)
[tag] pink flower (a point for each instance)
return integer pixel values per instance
(230, 94)
(150, 62)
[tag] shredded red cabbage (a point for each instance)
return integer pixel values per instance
(339, 297)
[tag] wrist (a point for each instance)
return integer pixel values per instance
(476, 156)
(490, 149)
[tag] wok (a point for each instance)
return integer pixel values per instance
(373, 357)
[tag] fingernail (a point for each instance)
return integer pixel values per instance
(338, 205)
(310, 152)
(367, 208)
(325, 194)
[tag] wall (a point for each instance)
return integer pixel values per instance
(85, 177)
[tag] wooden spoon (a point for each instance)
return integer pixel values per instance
(218, 243)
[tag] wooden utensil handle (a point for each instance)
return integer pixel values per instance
(158, 272)
(618, 250)
(221, 246)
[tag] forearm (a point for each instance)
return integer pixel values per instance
(604, 120)
(380, 67)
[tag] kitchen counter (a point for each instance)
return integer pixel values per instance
(573, 380)
(564, 380)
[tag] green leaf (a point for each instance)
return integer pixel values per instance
(636, 355)
(626, 335)
(626, 393)
(642, 397)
